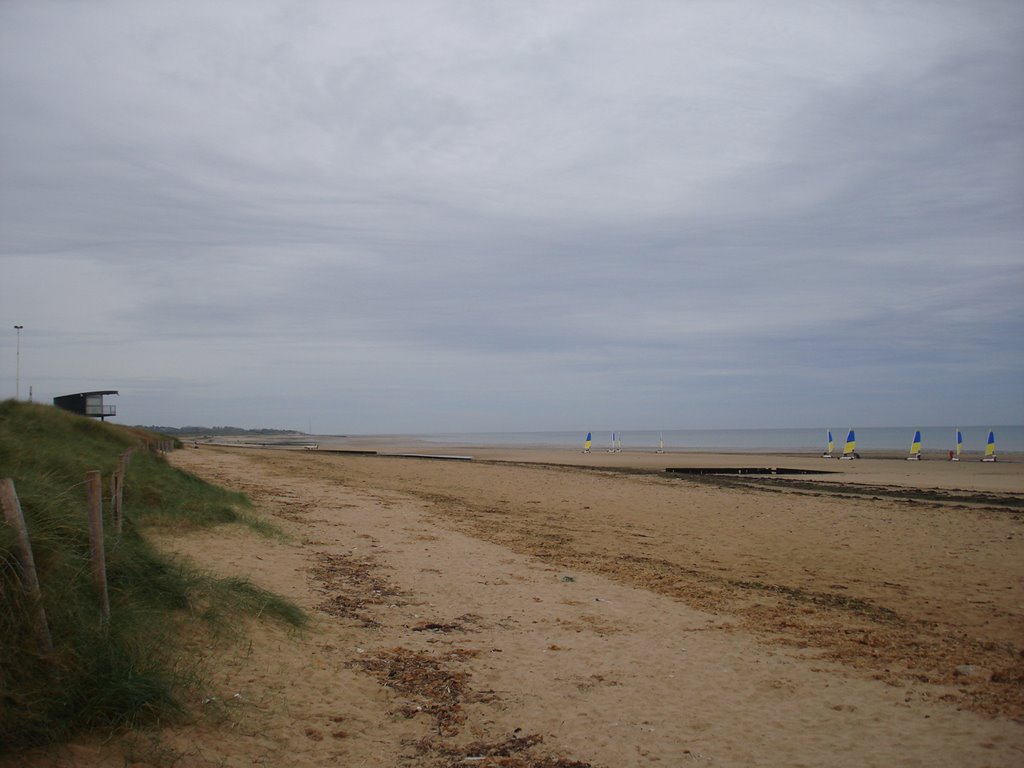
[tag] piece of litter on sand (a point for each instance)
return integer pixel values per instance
(568, 579)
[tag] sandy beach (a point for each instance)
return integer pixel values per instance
(549, 608)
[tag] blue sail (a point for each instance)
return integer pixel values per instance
(851, 443)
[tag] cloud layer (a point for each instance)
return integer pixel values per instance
(449, 216)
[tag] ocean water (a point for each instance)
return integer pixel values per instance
(1009, 439)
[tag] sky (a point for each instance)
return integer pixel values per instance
(452, 216)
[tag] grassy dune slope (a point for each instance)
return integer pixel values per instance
(127, 670)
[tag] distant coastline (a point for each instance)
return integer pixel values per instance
(217, 431)
(1009, 438)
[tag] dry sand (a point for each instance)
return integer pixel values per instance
(519, 611)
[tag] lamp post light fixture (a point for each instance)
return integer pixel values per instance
(17, 364)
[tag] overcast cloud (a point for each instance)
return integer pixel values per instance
(455, 216)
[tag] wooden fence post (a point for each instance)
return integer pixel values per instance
(117, 489)
(117, 497)
(23, 551)
(96, 551)
(115, 508)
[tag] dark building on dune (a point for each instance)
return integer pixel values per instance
(87, 404)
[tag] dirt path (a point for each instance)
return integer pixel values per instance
(490, 615)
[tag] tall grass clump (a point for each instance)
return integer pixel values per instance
(102, 673)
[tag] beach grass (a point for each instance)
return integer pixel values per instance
(130, 668)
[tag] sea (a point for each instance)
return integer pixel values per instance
(1009, 439)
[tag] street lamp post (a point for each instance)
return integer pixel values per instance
(17, 365)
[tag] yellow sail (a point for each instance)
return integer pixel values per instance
(851, 444)
(990, 446)
(915, 446)
(587, 443)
